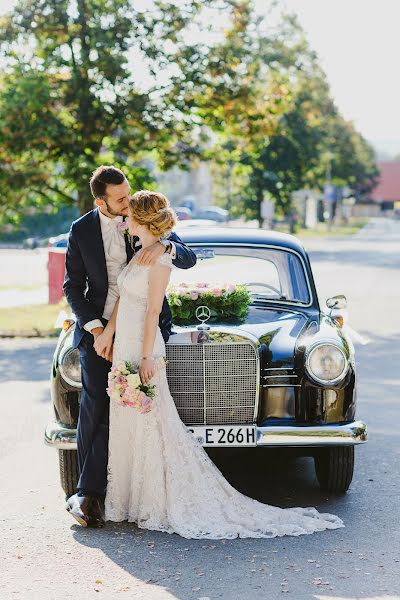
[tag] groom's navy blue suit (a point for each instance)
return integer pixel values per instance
(86, 288)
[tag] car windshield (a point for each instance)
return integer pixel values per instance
(270, 274)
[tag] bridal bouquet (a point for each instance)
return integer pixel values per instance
(227, 301)
(126, 389)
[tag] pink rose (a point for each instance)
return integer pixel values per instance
(145, 405)
(141, 395)
(194, 295)
(216, 292)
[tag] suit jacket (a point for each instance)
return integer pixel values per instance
(86, 280)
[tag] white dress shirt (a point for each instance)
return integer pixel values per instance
(116, 260)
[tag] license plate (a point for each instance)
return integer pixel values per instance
(224, 435)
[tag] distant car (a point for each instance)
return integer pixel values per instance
(284, 376)
(213, 213)
(183, 213)
(31, 243)
(59, 241)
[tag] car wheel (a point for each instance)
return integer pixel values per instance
(69, 471)
(334, 468)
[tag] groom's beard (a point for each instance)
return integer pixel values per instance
(113, 212)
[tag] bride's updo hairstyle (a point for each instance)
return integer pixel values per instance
(153, 209)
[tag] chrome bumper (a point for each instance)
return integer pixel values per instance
(348, 434)
(58, 436)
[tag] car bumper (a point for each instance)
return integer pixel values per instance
(348, 434)
(59, 436)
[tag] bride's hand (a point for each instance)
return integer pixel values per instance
(103, 345)
(148, 256)
(147, 369)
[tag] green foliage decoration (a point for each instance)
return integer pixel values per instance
(226, 302)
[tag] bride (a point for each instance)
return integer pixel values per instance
(159, 477)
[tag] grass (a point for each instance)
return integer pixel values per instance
(35, 320)
(337, 230)
(322, 230)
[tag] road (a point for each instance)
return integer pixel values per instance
(45, 555)
(23, 277)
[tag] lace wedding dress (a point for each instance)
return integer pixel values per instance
(158, 475)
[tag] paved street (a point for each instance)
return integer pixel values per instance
(45, 555)
(23, 277)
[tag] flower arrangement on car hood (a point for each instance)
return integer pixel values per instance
(227, 302)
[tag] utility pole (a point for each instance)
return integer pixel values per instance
(329, 192)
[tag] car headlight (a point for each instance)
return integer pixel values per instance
(70, 367)
(326, 363)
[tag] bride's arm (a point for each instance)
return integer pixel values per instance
(104, 342)
(158, 280)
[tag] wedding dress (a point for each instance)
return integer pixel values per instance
(158, 475)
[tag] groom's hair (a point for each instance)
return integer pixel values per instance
(103, 176)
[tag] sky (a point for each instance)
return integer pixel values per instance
(358, 44)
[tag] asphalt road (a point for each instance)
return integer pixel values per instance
(45, 555)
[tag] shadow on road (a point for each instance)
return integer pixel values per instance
(272, 476)
(21, 363)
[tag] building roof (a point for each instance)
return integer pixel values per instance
(388, 187)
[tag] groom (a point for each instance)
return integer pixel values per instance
(97, 252)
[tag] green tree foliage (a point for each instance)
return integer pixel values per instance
(91, 81)
(306, 138)
(87, 82)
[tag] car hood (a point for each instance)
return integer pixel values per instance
(275, 330)
(277, 334)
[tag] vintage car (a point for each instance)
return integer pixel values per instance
(282, 375)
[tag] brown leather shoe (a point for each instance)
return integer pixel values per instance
(79, 507)
(96, 513)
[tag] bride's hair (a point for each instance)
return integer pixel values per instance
(153, 209)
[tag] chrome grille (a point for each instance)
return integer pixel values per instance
(279, 377)
(213, 383)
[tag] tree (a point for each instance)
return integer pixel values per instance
(308, 135)
(93, 81)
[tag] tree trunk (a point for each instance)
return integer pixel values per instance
(260, 197)
(85, 202)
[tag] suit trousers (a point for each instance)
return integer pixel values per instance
(93, 422)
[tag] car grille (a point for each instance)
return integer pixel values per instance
(213, 383)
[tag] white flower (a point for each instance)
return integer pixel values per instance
(133, 380)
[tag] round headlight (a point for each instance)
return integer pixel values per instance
(326, 363)
(70, 367)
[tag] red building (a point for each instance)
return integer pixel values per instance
(387, 192)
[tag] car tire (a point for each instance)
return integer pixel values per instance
(334, 468)
(69, 471)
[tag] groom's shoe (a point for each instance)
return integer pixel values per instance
(79, 507)
(96, 513)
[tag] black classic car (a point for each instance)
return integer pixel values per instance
(282, 374)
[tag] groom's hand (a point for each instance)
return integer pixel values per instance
(148, 256)
(103, 345)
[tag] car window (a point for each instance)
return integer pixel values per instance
(269, 274)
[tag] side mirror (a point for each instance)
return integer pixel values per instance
(339, 301)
